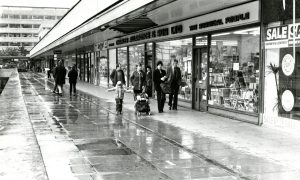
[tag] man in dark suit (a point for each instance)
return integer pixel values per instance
(174, 78)
(117, 75)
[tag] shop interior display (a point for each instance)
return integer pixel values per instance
(234, 75)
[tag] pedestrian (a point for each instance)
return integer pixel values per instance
(174, 78)
(54, 76)
(49, 73)
(149, 81)
(73, 74)
(79, 73)
(60, 73)
(159, 77)
(138, 80)
(119, 95)
(117, 75)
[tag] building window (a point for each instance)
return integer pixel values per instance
(36, 26)
(3, 35)
(3, 43)
(50, 17)
(234, 70)
(3, 25)
(122, 59)
(14, 35)
(14, 16)
(26, 17)
(15, 44)
(26, 25)
(37, 17)
(27, 43)
(26, 35)
(182, 50)
(136, 56)
(14, 25)
(4, 16)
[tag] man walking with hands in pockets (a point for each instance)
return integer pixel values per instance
(174, 77)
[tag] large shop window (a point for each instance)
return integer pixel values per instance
(102, 68)
(234, 70)
(122, 59)
(136, 56)
(182, 50)
(112, 62)
(282, 71)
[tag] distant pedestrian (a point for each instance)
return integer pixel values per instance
(54, 76)
(119, 95)
(148, 89)
(158, 78)
(117, 75)
(73, 74)
(49, 73)
(138, 80)
(60, 76)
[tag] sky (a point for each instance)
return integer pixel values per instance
(39, 3)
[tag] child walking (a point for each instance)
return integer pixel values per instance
(119, 95)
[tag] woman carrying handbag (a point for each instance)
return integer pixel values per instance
(159, 76)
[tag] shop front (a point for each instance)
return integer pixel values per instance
(218, 55)
(282, 65)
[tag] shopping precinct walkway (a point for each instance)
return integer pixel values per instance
(81, 137)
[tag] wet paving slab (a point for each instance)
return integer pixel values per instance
(20, 156)
(91, 142)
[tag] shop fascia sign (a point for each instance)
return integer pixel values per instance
(161, 32)
(282, 36)
(100, 46)
(231, 17)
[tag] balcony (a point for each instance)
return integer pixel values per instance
(19, 39)
(28, 48)
(22, 21)
(18, 30)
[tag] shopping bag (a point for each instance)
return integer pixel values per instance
(166, 88)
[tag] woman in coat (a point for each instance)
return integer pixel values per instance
(159, 77)
(138, 80)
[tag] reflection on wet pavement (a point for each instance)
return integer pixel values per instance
(81, 137)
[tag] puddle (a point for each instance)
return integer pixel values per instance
(104, 147)
(3, 81)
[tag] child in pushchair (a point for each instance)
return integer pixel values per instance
(142, 104)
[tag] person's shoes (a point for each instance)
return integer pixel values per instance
(60, 94)
(160, 111)
(175, 108)
(53, 91)
(74, 94)
(170, 108)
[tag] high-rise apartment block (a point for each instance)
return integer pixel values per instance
(20, 26)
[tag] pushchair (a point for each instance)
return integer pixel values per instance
(142, 104)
